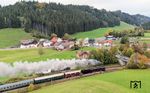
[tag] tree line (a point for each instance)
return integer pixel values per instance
(137, 19)
(43, 19)
(138, 31)
(146, 26)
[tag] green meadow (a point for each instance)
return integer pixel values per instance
(102, 31)
(10, 37)
(147, 35)
(32, 55)
(146, 38)
(114, 82)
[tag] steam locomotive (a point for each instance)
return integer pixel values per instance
(69, 74)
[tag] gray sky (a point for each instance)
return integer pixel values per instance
(129, 6)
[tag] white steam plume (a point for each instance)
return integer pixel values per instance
(43, 66)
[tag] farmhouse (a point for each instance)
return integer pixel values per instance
(110, 37)
(64, 45)
(86, 42)
(44, 43)
(104, 43)
(107, 43)
(83, 54)
(54, 40)
(31, 43)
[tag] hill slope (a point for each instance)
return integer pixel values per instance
(43, 19)
(132, 19)
(146, 26)
(46, 19)
(101, 31)
(11, 36)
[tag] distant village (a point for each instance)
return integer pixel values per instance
(66, 44)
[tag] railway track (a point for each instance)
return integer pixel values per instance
(113, 68)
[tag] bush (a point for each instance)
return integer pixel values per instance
(128, 52)
(137, 61)
(106, 56)
(145, 46)
(53, 35)
(109, 57)
(75, 47)
(98, 55)
(37, 34)
(147, 54)
(31, 87)
(124, 40)
(114, 50)
(139, 65)
(40, 51)
(123, 47)
(132, 65)
(138, 48)
(67, 36)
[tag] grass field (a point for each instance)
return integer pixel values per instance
(147, 35)
(146, 38)
(33, 56)
(100, 32)
(3, 79)
(12, 36)
(115, 82)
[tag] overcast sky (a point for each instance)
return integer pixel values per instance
(129, 6)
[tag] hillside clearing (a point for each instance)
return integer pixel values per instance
(102, 31)
(115, 82)
(11, 37)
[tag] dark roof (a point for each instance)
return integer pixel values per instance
(27, 42)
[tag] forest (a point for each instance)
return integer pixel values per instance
(146, 26)
(43, 19)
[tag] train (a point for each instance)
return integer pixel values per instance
(55, 77)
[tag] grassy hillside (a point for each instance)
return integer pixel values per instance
(12, 36)
(147, 35)
(115, 82)
(32, 55)
(101, 32)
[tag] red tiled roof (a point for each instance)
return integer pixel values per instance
(106, 41)
(54, 39)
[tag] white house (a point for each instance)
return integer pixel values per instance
(86, 42)
(31, 43)
(110, 37)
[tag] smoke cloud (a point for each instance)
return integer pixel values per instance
(43, 66)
